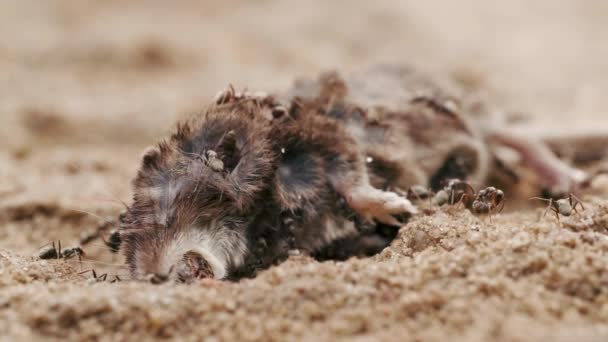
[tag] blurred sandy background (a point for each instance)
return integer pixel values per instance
(85, 86)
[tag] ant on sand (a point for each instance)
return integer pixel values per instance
(564, 206)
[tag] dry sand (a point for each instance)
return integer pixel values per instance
(87, 85)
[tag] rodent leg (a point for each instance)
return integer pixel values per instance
(372, 203)
(361, 245)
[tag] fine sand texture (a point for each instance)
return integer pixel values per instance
(86, 86)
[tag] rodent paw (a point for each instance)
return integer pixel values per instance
(380, 205)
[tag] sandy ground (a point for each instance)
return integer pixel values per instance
(85, 86)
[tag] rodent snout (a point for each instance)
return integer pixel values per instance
(193, 266)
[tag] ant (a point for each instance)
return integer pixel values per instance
(52, 252)
(487, 200)
(455, 191)
(563, 206)
(71, 252)
(213, 161)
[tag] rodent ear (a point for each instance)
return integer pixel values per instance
(151, 165)
(295, 107)
(151, 158)
(229, 151)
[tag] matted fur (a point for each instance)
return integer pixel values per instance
(261, 178)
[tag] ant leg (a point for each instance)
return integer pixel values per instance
(57, 254)
(103, 277)
(557, 216)
(59, 251)
(83, 272)
(547, 209)
(578, 202)
(502, 206)
(457, 204)
(550, 201)
(471, 190)
(576, 210)
(466, 199)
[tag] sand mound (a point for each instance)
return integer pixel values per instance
(448, 275)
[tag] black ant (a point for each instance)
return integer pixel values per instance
(71, 252)
(458, 191)
(488, 200)
(52, 252)
(455, 191)
(563, 206)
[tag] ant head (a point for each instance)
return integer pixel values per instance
(500, 195)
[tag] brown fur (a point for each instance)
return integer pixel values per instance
(309, 174)
(410, 127)
(274, 187)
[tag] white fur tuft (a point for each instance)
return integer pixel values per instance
(221, 247)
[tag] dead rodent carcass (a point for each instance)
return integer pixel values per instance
(253, 177)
